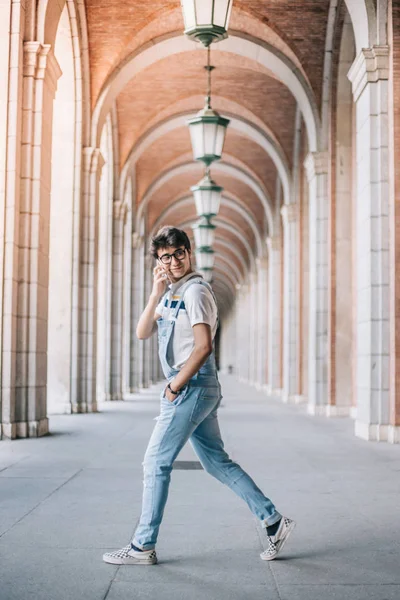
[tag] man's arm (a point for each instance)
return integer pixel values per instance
(201, 351)
(147, 322)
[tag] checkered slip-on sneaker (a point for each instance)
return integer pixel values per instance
(128, 556)
(277, 541)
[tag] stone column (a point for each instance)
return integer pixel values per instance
(127, 306)
(252, 307)
(85, 369)
(274, 316)
(146, 372)
(291, 304)
(136, 304)
(11, 109)
(24, 369)
(117, 298)
(262, 314)
(316, 165)
(242, 334)
(369, 77)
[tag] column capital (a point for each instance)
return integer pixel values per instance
(137, 240)
(40, 63)
(371, 65)
(93, 160)
(120, 211)
(274, 243)
(262, 262)
(316, 163)
(290, 213)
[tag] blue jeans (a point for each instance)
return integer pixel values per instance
(192, 416)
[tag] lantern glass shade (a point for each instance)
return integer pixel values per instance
(204, 234)
(205, 258)
(206, 21)
(207, 197)
(207, 133)
(207, 274)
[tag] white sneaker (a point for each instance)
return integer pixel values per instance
(277, 541)
(129, 556)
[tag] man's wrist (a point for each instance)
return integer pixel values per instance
(175, 392)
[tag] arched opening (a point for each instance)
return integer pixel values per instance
(61, 226)
(345, 227)
(104, 264)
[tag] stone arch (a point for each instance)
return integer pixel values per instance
(264, 138)
(235, 172)
(104, 266)
(235, 205)
(224, 224)
(344, 233)
(234, 251)
(62, 223)
(231, 268)
(363, 18)
(262, 53)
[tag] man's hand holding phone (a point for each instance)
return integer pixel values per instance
(160, 281)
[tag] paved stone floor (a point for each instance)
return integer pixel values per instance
(66, 498)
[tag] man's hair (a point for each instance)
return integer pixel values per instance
(169, 236)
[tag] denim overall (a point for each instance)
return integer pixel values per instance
(192, 416)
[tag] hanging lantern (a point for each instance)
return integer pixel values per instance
(205, 258)
(207, 274)
(208, 128)
(207, 196)
(207, 133)
(206, 21)
(204, 233)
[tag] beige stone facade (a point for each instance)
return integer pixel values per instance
(95, 155)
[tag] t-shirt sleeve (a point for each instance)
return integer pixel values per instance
(200, 305)
(160, 306)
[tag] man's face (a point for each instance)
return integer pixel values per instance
(176, 261)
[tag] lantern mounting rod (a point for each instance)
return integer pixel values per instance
(208, 68)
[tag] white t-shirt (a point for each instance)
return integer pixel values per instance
(198, 306)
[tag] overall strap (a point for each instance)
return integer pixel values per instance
(187, 285)
(182, 293)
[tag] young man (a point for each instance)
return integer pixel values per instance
(186, 317)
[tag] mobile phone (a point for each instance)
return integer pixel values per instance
(167, 274)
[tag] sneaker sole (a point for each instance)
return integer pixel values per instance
(129, 561)
(281, 543)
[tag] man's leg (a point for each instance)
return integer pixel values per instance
(209, 447)
(170, 434)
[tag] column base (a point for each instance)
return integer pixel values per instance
(78, 409)
(293, 399)
(371, 433)
(338, 411)
(353, 412)
(8, 431)
(394, 434)
(316, 410)
(328, 410)
(29, 429)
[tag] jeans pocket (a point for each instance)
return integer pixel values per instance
(206, 401)
(178, 398)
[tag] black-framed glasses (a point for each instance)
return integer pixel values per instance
(178, 254)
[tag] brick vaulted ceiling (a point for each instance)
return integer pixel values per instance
(174, 86)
